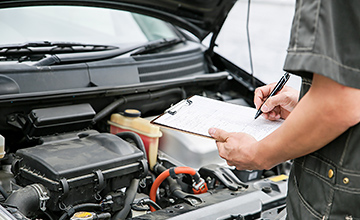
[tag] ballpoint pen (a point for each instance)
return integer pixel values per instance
(276, 89)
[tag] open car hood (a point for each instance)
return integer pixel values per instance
(200, 17)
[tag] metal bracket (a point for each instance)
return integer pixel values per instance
(224, 175)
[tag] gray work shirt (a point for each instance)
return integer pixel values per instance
(325, 39)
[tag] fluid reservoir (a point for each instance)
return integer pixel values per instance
(2, 146)
(130, 120)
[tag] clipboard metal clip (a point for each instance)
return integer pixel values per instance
(174, 109)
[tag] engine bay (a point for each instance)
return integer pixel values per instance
(75, 138)
(90, 152)
(74, 163)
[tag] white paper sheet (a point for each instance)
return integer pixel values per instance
(204, 113)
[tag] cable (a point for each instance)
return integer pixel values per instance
(129, 199)
(136, 138)
(249, 43)
(48, 215)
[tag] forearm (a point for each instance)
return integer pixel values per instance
(321, 116)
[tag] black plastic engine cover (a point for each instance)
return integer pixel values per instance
(47, 121)
(79, 170)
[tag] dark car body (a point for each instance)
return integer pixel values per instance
(57, 97)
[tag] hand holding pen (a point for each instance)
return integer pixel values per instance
(277, 104)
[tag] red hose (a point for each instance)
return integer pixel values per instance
(163, 176)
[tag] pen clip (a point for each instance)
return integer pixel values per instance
(174, 109)
(286, 77)
(280, 84)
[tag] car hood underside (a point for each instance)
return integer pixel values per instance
(197, 16)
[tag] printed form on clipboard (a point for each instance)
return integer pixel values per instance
(197, 114)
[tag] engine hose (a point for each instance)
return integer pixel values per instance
(29, 199)
(165, 174)
(129, 199)
(136, 138)
(175, 188)
(138, 97)
(76, 208)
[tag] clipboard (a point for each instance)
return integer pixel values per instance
(195, 115)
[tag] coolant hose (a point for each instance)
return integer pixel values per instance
(129, 199)
(138, 97)
(175, 188)
(136, 138)
(163, 176)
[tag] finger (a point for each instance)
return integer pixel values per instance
(224, 154)
(230, 163)
(265, 115)
(281, 99)
(218, 134)
(221, 150)
(273, 115)
(261, 93)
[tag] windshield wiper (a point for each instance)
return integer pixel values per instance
(21, 51)
(102, 55)
(155, 46)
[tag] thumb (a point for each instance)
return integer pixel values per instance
(218, 134)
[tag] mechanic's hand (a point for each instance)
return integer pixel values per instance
(236, 148)
(277, 106)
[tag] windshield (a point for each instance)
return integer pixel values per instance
(79, 24)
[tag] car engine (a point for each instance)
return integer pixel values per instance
(124, 167)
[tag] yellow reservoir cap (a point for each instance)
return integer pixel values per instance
(133, 113)
(82, 216)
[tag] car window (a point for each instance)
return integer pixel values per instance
(79, 24)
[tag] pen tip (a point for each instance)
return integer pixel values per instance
(258, 113)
